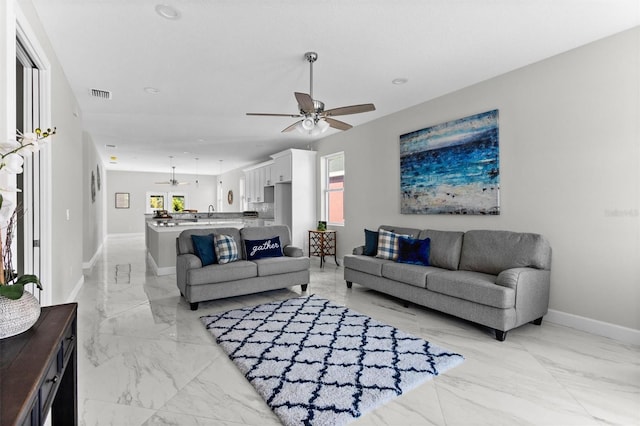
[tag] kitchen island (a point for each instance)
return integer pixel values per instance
(161, 234)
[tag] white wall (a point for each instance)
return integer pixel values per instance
(231, 182)
(94, 212)
(137, 184)
(570, 170)
(65, 147)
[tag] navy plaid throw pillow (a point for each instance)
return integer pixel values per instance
(226, 249)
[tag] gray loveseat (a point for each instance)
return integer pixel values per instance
(499, 279)
(198, 283)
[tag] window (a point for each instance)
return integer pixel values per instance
(169, 201)
(177, 203)
(156, 202)
(333, 179)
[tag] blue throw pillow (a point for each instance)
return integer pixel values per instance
(203, 247)
(370, 242)
(414, 251)
(257, 249)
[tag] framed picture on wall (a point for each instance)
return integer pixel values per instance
(122, 200)
(452, 167)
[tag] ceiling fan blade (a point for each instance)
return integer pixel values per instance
(336, 124)
(293, 126)
(305, 102)
(273, 115)
(352, 109)
(163, 183)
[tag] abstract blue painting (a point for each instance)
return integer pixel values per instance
(452, 168)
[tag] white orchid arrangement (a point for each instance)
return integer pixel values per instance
(12, 155)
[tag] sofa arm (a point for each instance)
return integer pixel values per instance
(358, 250)
(185, 262)
(292, 251)
(532, 288)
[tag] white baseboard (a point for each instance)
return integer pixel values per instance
(93, 260)
(599, 328)
(124, 235)
(76, 289)
(168, 270)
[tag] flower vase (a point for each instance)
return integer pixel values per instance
(17, 316)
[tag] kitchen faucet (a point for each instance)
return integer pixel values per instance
(211, 210)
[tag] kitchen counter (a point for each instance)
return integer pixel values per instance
(180, 225)
(161, 239)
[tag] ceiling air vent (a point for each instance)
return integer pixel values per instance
(102, 94)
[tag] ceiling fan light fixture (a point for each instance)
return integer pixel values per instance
(322, 125)
(308, 123)
(314, 118)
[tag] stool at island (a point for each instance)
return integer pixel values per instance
(323, 243)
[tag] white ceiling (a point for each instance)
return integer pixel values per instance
(223, 58)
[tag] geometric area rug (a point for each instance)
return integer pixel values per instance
(318, 363)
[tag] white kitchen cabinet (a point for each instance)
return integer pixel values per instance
(255, 179)
(259, 184)
(268, 180)
(282, 166)
(249, 186)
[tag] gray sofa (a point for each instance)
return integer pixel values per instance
(499, 279)
(216, 281)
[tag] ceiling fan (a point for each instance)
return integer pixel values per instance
(173, 181)
(315, 119)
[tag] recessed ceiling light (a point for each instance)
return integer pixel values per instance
(400, 80)
(167, 12)
(152, 90)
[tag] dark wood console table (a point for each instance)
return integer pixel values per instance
(38, 371)
(323, 243)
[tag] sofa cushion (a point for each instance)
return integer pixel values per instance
(204, 249)
(226, 249)
(281, 265)
(370, 243)
(492, 252)
(413, 251)
(445, 248)
(415, 275)
(388, 245)
(258, 249)
(366, 264)
(475, 287)
(220, 273)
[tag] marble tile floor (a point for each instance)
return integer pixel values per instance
(145, 359)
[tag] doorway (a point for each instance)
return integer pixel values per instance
(31, 246)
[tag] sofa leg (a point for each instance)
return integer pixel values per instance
(304, 287)
(501, 335)
(193, 306)
(537, 321)
(349, 284)
(406, 303)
